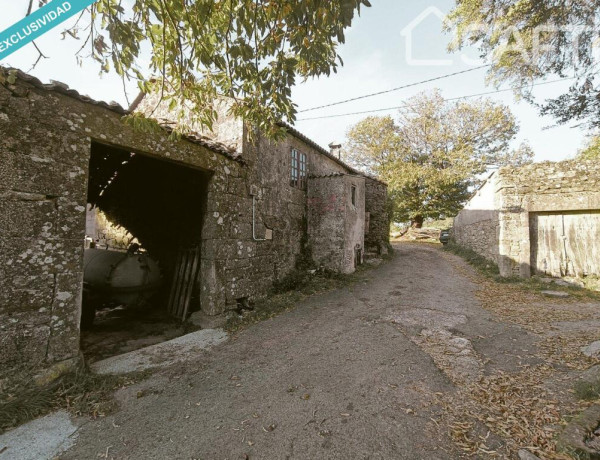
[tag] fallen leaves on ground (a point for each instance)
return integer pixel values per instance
(518, 408)
(524, 409)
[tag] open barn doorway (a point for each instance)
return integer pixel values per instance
(142, 257)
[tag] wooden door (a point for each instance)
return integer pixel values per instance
(184, 279)
(565, 243)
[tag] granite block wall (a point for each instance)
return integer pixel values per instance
(335, 224)
(46, 133)
(377, 230)
(253, 230)
(477, 226)
(496, 221)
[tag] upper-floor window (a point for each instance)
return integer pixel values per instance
(353, 195)
(299, 169)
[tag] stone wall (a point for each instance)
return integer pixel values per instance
(326, 228)
(496, 223)
(226, 129)
(477, 226)
(46, 137)
(280, 215)
(102, 233)
(354, 238)
(335, 224)
(541, 187)
(377, 224)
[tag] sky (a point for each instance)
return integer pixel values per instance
(377, 56)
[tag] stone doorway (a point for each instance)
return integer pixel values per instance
(142, 211)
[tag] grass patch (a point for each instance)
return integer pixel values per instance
(588, 391)
(482, 264)
(592, 283)
(490, 270)
(80, 392)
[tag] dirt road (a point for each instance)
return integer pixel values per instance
(368, 371)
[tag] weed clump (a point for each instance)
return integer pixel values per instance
(79, 392)
(484, 265)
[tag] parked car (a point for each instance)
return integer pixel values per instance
(445, 236)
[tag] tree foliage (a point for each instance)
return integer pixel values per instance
(191, 51)
(431, 155)
(526, 40)
(591, 150)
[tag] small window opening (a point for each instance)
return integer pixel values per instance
(353, 191)
(358, 256)
(303, 171)
(299, 169)
(294, 178)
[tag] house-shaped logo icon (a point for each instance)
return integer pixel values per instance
(408, 34)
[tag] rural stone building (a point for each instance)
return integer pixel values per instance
(542, 218)
(249, 208)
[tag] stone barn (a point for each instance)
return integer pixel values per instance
(541, 219)
(243, 210)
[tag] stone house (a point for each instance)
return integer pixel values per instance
(252, 208)
(542, 218)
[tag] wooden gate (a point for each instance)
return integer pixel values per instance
(184, 278)
(565, 243)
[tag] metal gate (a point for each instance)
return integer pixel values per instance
(565, 243)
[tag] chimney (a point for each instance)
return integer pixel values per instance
(336, 149)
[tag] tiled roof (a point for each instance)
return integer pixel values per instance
(63, 88)
(297, 134)
(319, 176)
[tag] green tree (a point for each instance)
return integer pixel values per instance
(432, 154)
(591, 150)
(251, 50)
(526, 40)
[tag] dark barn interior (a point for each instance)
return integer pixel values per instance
(162, 204)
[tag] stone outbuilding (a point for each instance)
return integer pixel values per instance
(250, 208)
(542, 218)
(338, 243)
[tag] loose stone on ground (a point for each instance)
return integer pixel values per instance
(555, 293)
(164, 354)
(43, 438)
(592, 350)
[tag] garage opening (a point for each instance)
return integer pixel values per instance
(142, 256)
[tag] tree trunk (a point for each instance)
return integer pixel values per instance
(417, 222)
